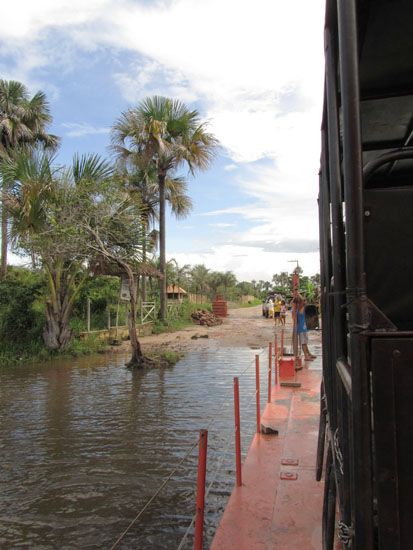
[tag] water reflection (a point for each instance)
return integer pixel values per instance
(86, 443)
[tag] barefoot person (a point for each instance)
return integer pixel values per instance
(283, 313)
(277, 309)
(302, 329)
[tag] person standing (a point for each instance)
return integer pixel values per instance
(277, 309)
(270, 308)
(302, 331)
(283, 313)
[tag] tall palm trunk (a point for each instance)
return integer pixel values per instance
(162, 260)
(143, 278)
(4, 239)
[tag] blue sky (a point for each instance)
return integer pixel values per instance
(253, 69)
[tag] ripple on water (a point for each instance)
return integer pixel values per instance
(85, 445)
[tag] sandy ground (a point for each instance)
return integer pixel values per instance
(244, 327)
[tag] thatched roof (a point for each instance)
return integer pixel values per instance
(175, 289)
(102, 266)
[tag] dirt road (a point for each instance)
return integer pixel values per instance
(243, 327)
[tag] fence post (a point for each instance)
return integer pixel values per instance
(257, 392)
(237, 432)
(200, 496)
(88, 314)
(282, 342)
(269, 370)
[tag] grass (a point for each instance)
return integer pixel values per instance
(37, 353)
(253, 303)
(166, 358)
(184, 319)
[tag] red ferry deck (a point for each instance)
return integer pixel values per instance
(279, 504)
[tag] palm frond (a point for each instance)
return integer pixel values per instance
(90, 167)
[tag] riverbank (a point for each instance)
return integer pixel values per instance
(244, 326)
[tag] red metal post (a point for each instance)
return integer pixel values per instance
(282, 342)
(269, 370)
(237, 433)
(200, 496)
(275, 359)
(257, 391)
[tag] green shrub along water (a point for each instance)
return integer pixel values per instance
(22, 318)
(21, 315)
(22, 304)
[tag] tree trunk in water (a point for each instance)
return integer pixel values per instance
(4, 239)
(137, 359)
(56, 333)
(162, 262)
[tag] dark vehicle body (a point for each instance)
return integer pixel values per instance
(366, 235)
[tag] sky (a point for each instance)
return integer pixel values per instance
(252, 68)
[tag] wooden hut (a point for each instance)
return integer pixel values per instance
(175, 292)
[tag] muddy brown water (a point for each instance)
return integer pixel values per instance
(84, 445)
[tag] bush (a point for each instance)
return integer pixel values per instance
(21, 311)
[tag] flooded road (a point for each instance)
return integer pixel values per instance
(85, 444)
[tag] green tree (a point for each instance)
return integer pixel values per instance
(117, 233)
(282, 280)
(166, 133)
(47, 208)
(199, 278)
(228, 280)
(214, 282)
(23, 122)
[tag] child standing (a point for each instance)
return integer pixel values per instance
(283, 312)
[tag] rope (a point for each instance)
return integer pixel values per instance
(224, 404)
(123, 534)
(154, 496)
(220, 461)
(216, 472)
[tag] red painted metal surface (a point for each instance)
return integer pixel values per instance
(267, 511)
(200, 496)
(289, 461)
(257, 392)
(288, 476)
(282, 343)
(275, 360)
(269, 370)
(237, 433)
(287, 368)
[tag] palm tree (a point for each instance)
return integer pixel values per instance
(214, 282)
(23, 124)
(228, 280)
(166, 133)
(199, 276)
(144, 183)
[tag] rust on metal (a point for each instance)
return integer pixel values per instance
(289, 461)
(288, 476)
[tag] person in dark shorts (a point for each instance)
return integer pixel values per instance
(302, 329)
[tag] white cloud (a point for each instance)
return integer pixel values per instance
(254, 69)
(242, 67)
(80, 129)
(249, 263)
(221, 225)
